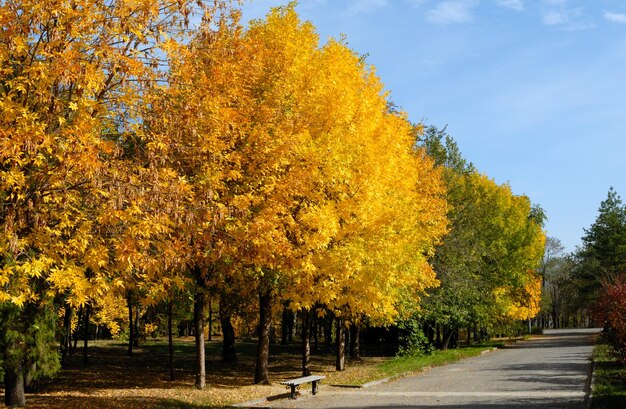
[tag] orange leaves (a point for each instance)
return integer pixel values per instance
(251, 154)
(301, 176)
(74, 79)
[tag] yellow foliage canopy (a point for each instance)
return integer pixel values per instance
(300, 173)
(72, 75)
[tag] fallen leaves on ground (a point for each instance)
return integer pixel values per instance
(113, 380)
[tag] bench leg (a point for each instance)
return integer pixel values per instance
(293, 392)
(314, 387)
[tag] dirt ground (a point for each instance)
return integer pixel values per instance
(114, 380)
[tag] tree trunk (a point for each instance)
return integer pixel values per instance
(199, 306)
(306, 343)
(484, 335)
(170, 340)
(66, 338)
(328, 332)
(340, 363)
(130, 326)
(454, 340)
(29, 381)
(290, 324)
(86, 335)
(75, 334)
(14, 385)
(284, 328)
(229, 353)
(355, 342)
(430, 333)
(314, 331)
(448, 334)
(136, 323)
(347, 341)
(261, 375)
(210, 321)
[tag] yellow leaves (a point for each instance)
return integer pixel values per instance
(96, 258)
(110, 310)
(72, 103)
(319, 179)
(16, 277)
(30, 268)
(13, 179)
(520, 304)
(37, 267)
(19, 45)
(265, 150)
(71, 278)
(18, 300)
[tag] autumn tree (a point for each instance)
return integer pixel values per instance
(287, 140)
(488, 260)
(611, 310)
(72, 75)
(383, 223)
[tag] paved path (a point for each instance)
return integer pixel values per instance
(547, 373)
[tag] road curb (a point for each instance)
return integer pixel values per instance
(393, 378)
(405, 374)
(255, 402)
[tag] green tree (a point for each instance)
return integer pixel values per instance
(442, 148)
(603, 252)
(486, 262)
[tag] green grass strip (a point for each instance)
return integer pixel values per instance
(408, 364)
(609, 389)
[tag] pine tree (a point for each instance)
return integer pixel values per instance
(604, 243)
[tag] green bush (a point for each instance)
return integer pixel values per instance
(413, 342)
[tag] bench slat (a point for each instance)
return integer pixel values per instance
(304, 379)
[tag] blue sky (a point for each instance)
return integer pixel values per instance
(533, 91)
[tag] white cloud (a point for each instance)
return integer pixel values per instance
(517, 5)
(554, 17)
(366, 6)
(452, 11)
(559, 13)
(615, 17)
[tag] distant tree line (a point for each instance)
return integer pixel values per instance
(588, 287)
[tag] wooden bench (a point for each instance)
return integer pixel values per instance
(293, 383)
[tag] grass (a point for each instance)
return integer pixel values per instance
(113, 380)
(399, 366)
(412, 364)
(609, 388)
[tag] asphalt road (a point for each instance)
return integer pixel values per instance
(548, 373)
